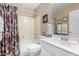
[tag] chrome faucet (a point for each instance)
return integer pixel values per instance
(65, 38)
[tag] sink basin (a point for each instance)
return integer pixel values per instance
(66, 43)
(58, 40)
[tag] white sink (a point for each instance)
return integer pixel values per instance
(63, 42)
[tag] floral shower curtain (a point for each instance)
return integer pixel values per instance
(9, 44)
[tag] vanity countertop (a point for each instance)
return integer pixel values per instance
(68, 46)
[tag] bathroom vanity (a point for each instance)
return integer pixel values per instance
(59, 47)
(67, 26)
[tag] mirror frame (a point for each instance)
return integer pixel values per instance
(63, 20)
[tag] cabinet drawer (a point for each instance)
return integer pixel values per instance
(55, 50)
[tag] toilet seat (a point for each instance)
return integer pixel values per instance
(33, 46)
(31, 49)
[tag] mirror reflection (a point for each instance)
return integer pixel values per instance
(61, 26)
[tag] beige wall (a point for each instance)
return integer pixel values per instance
(26, 28)
(37, 26)
(29, 25)
(43, 9)
(25, 25)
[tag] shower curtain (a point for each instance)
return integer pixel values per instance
(9, 44)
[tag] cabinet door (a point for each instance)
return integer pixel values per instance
(47, 47)
(55, 50)
(74, 21)
(45, 52)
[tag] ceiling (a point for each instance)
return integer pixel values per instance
(26, 6)
(57, 7)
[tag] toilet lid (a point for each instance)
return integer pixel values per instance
(29, 47)
(33, 46)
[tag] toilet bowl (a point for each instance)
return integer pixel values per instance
(31, 49)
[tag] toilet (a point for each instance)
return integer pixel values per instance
(31, 49)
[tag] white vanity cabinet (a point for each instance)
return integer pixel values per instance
(55, 50)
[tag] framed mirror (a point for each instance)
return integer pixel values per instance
(59, 22)
(62, 26)
(65, 26)
(59, 29)
(45, 18)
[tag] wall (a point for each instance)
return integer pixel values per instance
(62, 9)
(43, 9)
(29, 25)
(25, 25)
(56, 10)
(37, 26)
(65, 11)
